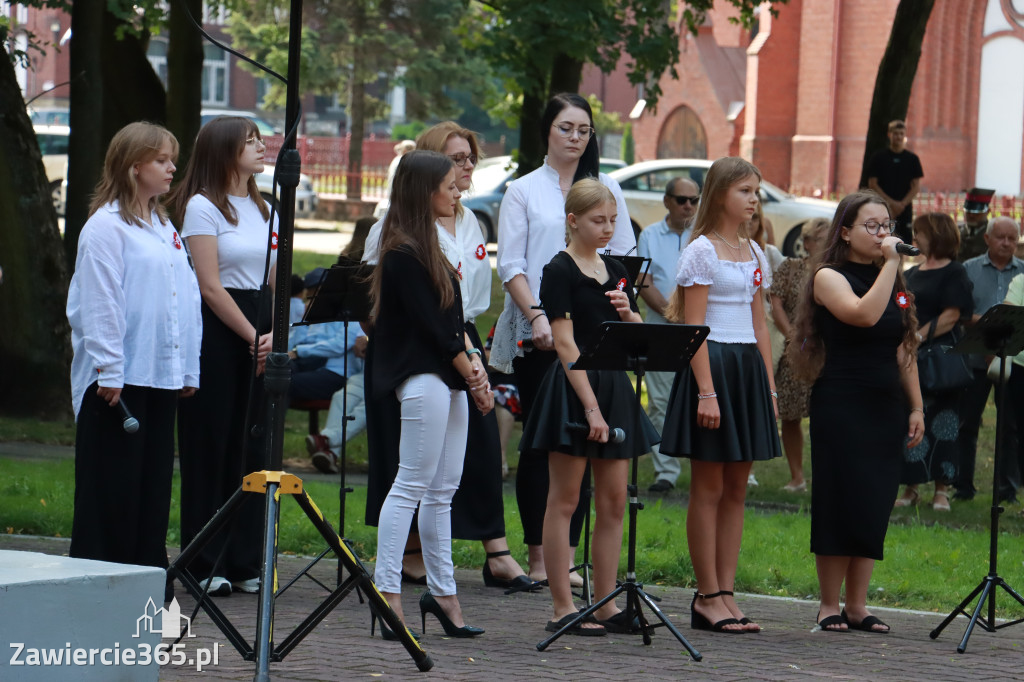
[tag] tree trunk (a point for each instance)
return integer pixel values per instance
(566, 74)
(129, 90)
(356, 109)
(895, 75)
(34, 334)
(184, 78)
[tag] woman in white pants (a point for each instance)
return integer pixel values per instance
(424, 356)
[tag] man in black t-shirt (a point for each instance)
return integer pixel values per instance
(896, 174)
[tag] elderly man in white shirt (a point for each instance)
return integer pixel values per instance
(662, 242)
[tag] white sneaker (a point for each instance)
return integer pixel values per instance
(751, 480)
(219, 587)
(250, 586)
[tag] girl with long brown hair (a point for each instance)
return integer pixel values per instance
(423, 356)
(855, 339)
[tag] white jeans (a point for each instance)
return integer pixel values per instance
(356, 409)
(431, 451)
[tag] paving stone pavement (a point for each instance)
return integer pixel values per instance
(341, 648)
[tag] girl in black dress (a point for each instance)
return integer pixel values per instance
(721, 412)
(942, 297)
(579, 290)
(855, 338)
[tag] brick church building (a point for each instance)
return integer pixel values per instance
(793, 94)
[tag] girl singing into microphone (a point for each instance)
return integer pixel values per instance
(579, 290)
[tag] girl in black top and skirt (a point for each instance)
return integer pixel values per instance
(856, 326)
(579, 290)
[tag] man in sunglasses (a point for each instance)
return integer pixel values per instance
(662, 242)
(895, 173)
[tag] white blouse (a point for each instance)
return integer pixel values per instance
(732, 287)
(134, 307)
(466, 251)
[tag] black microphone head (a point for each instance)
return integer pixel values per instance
(908, 250)
(130, 425)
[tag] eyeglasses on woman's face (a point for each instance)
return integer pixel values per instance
(874, 227)
(461, 158)
(566, 130)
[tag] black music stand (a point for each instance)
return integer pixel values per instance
(343, 295)
(635, 266)
(637, 347)
(999, 332)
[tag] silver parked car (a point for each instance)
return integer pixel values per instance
(306, 198)
(643, 187)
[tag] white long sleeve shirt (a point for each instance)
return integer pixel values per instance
(134, 307)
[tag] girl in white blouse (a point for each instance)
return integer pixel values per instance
(226, 225)
(531, 230)
(722, 409)
(133, 306)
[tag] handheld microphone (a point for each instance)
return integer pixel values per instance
(525, 343)
(130, 423)
(908, 250)
(615, 435)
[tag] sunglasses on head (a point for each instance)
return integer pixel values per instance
(682, 199)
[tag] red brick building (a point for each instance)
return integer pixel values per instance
(793, 95)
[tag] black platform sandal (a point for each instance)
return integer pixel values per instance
(700, 622)
(521, 583)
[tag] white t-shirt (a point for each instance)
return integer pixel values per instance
(732, 287)
(241, 248)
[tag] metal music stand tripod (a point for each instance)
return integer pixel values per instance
(999, 332)
(638, 347)
(343, 295)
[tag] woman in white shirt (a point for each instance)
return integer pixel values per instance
(722, 409)
(133, 306)
(226, 225)
(478, 506)
(531, 231)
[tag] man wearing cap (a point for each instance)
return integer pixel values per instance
(991, 273)
(975, 224)
(895, 173)
(662, 242)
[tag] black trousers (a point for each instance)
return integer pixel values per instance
(532, 476)
(123, 480)
(972, 406)
(213, 450)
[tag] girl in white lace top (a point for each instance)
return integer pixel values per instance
(721, 412)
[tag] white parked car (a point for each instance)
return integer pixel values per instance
(306, 198)
(643, 187)
(53, 144)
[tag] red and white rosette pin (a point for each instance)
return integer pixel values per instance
(273, 241)
(481, 252)
(175, 240)
(459, 270)
(621, 286)
(758, 277)
(902, 300)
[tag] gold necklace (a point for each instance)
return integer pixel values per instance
(735, 248)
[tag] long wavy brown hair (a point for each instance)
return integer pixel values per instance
(806, 352)
(410, 222)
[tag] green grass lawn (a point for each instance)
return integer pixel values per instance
(932, 559)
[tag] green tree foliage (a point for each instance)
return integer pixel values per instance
(539, 47)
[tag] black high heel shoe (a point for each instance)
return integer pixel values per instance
(429, 605)
(521, 583)
(700, 622)
(386, 632)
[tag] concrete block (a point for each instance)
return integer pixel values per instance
(74, 619)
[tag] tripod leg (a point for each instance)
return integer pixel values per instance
(579, 618)
(986, 592)
(646, 598)
(957, 611)
(268, 584)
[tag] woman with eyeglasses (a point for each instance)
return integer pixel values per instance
(531, 231)
(478, 511)
(226, 226)
(856, 340)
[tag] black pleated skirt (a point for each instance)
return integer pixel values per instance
(478, 511)
(557, 405)
(747, 431)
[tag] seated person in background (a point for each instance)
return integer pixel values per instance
(324, 446)
(297, 304)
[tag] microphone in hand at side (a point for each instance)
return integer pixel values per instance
(130, 423)
(615, 435)
(907, 250)
(525, 343)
